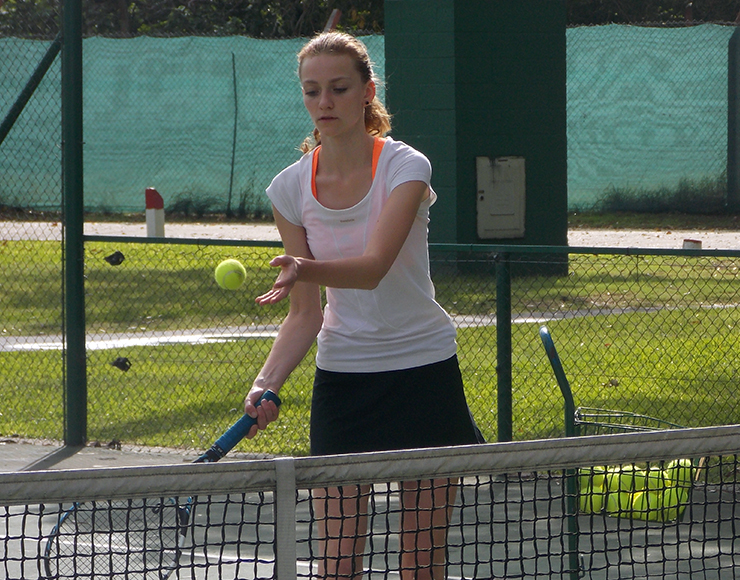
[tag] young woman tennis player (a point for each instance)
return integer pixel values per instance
(352, 214)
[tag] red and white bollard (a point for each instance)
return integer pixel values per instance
(154, 213)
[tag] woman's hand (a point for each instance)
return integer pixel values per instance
(265, 413)
(284, 283)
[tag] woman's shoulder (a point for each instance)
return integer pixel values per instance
(404, 157)
(401, 148)
(294, 171)
(288, 189)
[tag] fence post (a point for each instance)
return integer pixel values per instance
(75, 412)
(503, 346)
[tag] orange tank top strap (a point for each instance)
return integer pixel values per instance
(377, 148)
(314, 167)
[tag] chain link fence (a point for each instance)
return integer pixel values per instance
(170, 355)
(31, 252)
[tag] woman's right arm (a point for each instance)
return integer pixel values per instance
(297, 332)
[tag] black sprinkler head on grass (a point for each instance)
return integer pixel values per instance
(122, 363)
(115, 259)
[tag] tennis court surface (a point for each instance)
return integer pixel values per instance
(515, 516)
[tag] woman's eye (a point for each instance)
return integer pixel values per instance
(340, 89)
(310, 93)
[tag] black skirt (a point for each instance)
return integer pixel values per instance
(405, 409)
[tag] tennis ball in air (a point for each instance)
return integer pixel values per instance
(230, 274)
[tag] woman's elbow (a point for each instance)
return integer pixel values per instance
(316, 321)
(372, 278)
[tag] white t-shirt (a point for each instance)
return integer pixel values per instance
(397, 325)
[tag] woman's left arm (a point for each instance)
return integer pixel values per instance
(363, 272)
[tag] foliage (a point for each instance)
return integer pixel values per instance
(292, 18)
(585, 12)
(703, 196)
(256, 18)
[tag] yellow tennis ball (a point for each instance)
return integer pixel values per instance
(619, 503)
(230, 274)
(646, 505)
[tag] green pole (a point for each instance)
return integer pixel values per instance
(31, 86)
(75, 412)
(503, 346)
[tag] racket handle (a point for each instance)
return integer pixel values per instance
(235, 433)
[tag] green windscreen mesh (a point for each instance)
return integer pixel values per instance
(30, 154)
(208, 119)
(214, 119)
(647, 107)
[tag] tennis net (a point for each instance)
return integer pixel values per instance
(657, 504)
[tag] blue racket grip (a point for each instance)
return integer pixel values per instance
(235, 433)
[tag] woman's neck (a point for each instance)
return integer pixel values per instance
(346, 154)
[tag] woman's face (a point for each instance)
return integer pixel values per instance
(334, 94)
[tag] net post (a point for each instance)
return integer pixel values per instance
(285, 519)
(571, 515)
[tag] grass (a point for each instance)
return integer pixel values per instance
(156, 288)
(659, 339)
(184, 395)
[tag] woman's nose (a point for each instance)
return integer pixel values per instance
(325, 102)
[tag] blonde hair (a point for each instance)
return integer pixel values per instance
(377, 118)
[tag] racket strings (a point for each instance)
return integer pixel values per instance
(133, 538)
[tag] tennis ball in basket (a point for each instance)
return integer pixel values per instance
(595, 476)
(591, 498)
(679, 473)
(619, 503)
(655, 480)
(674, 501)
(230, 274)
(646, 505)
(592, 490)
(619, 479)
(639, 479)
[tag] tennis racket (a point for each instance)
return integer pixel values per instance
(138, 538)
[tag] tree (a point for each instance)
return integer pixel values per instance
(258, 18)
(291, 18)
(650, 11)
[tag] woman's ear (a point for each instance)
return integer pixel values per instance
(370, 92)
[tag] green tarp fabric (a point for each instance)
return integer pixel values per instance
(646, 108)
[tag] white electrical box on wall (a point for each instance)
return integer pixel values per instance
(501, 197)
